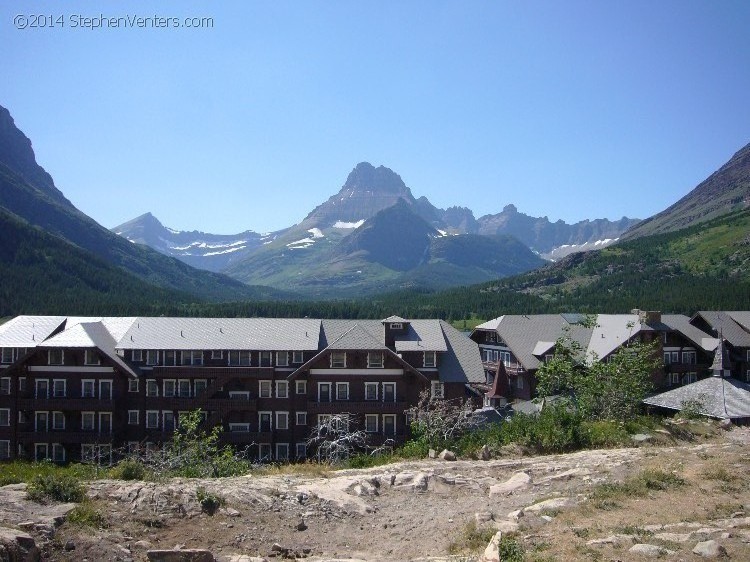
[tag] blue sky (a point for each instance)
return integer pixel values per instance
(571, 110)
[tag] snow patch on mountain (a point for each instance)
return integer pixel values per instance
(316, 233)
(227, 251)
(345, 224)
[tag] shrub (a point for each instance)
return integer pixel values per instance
(63, 488)
(602, 434)
(209, 501)
(471, 538)
(86, 515)
(130, 469)
(510, 549)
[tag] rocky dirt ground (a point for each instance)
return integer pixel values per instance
(417, 510)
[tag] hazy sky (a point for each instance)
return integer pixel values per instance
(567, 109)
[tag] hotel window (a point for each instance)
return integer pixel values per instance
(674, 379)
(91, 357)
(41, 421)
(22, 416)
(265, 358)
(152, 389)
(4, 416)
(137, 355)
(375, 360)
(239, 394)
(389, 392)
(371, 423)
(389, 424)
(194, 357)
(152, 419)
(7, 355)
(58, 452)
(217, 354)
(342, 391)
(282, 358)
(41, 451)
(170, 358)
(183, 388)
(105, 390)
(667, 358)
(132, 385)
(689, 357)
(301, 387)
(58, 420)
(519, 383)
(241, 358)
(264, 452)
(152, 357)
(4, 449)
(397, 326)
(437, 389)
(282, 451)
(105, 422)
(87, 421)
(675, 357)
(58, 388)
(133, 416)
(324, 392)
(42, 388)
(88, 388)
(168, 420)
(690, 378)
(199, 386)
(170, 387)
(21, 384)
(338, 359)
(55, 357)
(371, 391)
(88, 452)
(282, 420)
(301, 418)
(264, 421)
(429, 358)
(239, 427)
(5, 385)
(264, 389)
(282, 389)
(301, 450)
(298, 357)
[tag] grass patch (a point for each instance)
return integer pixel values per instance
(719, 473)
(87, 515)
(62, 488)
(16, 472)
(209, 501)
(511, 549)
(606, 496)
(725, 510)
(308, 468)
(471, 539)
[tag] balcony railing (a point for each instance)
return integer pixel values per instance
(368, 406)
(512, 369)
(204, 371)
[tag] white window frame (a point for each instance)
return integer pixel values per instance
(338, 359)
(369, 418)
(330, 391)
(282, 416)
(385, 384)
(36, 388)
(689, 357)
(429, 359)
(376, 386)
(165, 422)
(37, 448)
(298, 357)
(90, 383)
(192, 357)
(301, 418)
(264, 452)
(7, 356)
(134, 417)
(239, 394)
(239, 427)
(154, 414)
(300, 450)
(203, 383)
(282, 358)
(136, 355)
(339, 386)
(437, 389)
(133, 385)
(691, 378)
(4, 449)
(667, 358)
(282, 456)
(58, 416)
(64, 393)
(37, 414)
(184, 385)
(169, 388)
(88, 416)
(152, 388)
(265, 355)
(88, 354)
(21, 384)
(4, 417)
(103, 416)
(152, 357)
(103, 382)
(674, 379)
(397, 326)
(55, 352)
(5, 386)
(282, 389)
(217, 354)
(394, 418)
(265, 389)
(260, 421)
(300, 387)
(170, 358)
(239, 358)
(519, 382)
(56, 448)
(375, 359)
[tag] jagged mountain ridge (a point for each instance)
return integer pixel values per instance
(725, 191)
(28, 192)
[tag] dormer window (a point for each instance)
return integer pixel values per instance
(55, 357)
(152, 357)
(430, 359)
(338, 359)
(90, 357)
(137, 355)
(397, 326)
(375, 360)
(7, 355)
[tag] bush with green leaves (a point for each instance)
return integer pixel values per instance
(56, 487)
(209, 501)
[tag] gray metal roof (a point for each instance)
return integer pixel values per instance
(461, 362)
(421, 335)
(742, 317)
(28, 331)
(264, 334)
(681, 323)
(356, 338)
(394, 319)
(611, 331)
(723, 398)
(730, 330)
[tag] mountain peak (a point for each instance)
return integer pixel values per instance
(366, 177)
(511, 208)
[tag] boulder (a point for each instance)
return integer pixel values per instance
(517, 481)
(18, 545)
(447, 455)
(182, 555)
(554, 503)
(484, 453)
(492, 552)
(415, 481)
(432, 454)
(506, 526)
(649, 550)
(709, 549)
(612, 540)
(483, 517)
